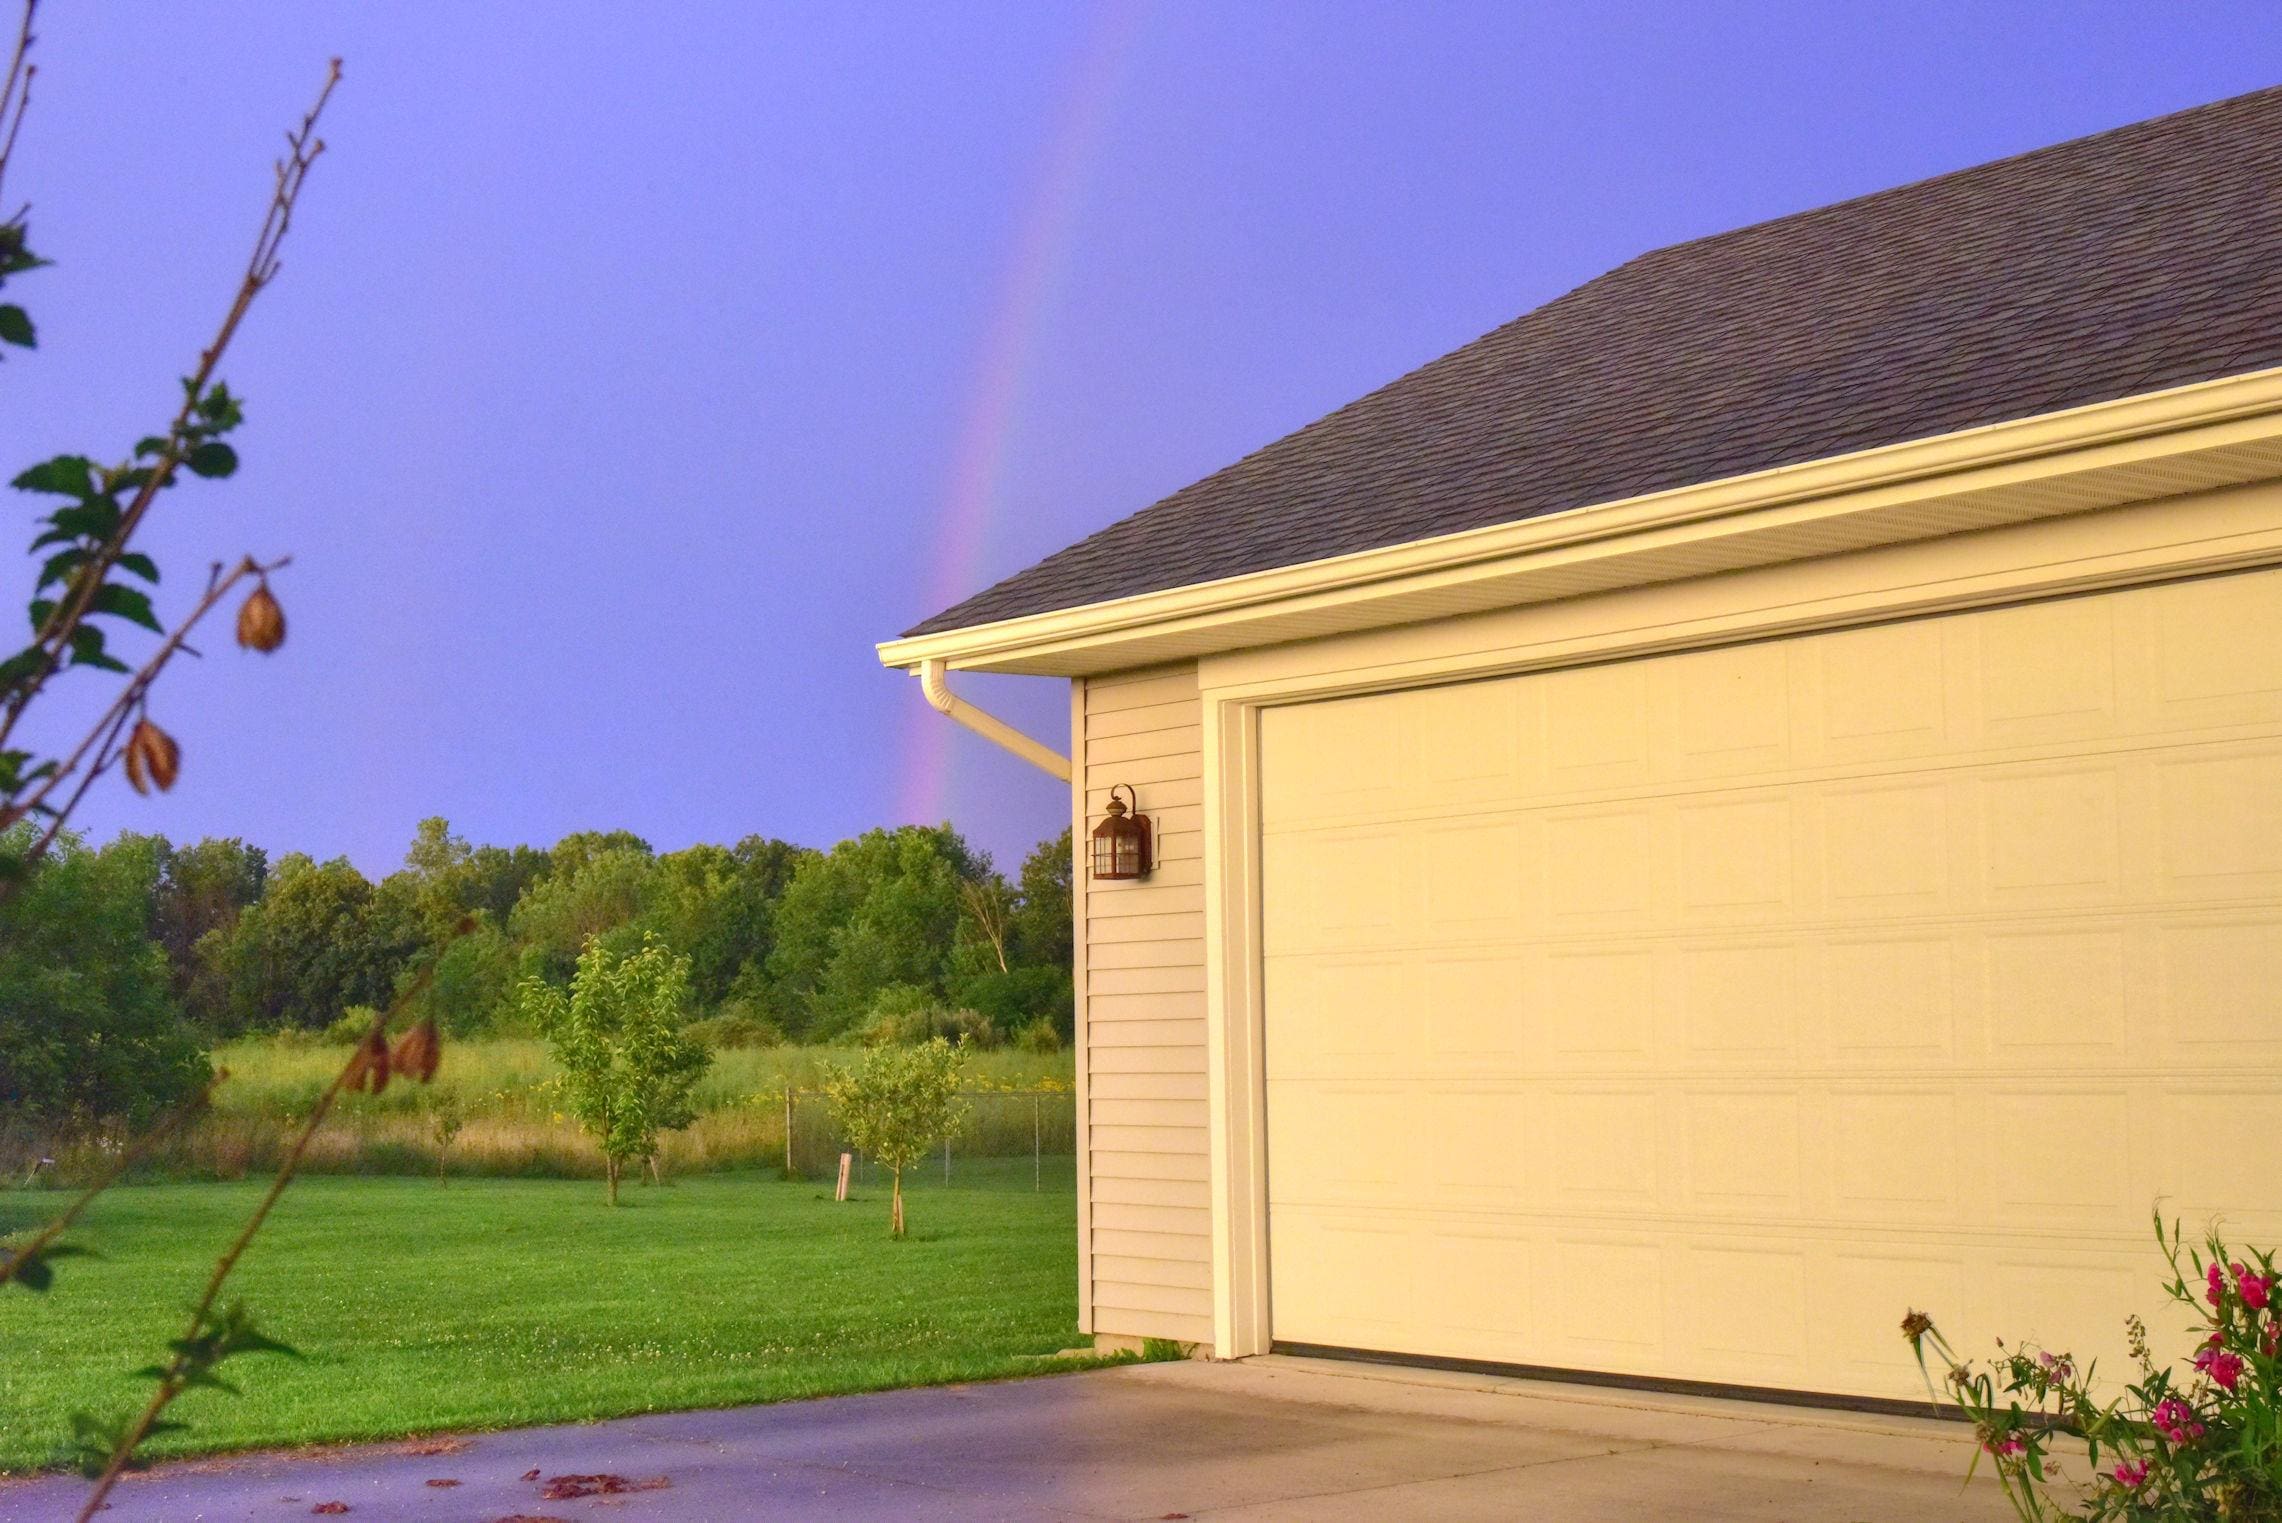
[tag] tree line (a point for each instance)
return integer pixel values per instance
(121, 965)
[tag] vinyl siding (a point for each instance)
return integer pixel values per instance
(1146, 1217)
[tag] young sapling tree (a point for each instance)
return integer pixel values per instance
(897, 1103)
(617, 1033)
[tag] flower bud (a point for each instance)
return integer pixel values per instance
(152, 757)
(261, 623)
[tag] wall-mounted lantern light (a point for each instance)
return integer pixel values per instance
(1121, 840)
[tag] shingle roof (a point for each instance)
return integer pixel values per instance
(2131, 261)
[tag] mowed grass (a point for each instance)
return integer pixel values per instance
(506, 1302)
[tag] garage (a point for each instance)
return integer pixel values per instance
(1691, 1017)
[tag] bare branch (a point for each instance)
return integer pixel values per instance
(16, 95)
(102, 737)
(303, 147)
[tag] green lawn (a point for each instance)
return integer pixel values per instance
(498, 1302)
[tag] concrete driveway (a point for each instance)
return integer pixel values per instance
(1265, 1439)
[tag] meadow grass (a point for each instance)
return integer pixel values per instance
(506, 1302)
(515, 1123)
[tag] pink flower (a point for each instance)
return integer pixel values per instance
(2131, 1474)
(2253, 1288)
(2175, 1420)
(2215, 1284)
(2058, 1366)
(2221, 1366)
(2005, 1448)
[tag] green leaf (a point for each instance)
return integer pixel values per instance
(39, 609)
(60, 566)
(19, 666)
(151, 444)
(141, 565)
(65, 474)
(126, 603)
(87, 650)
(36, 1270)
(212, 459)
(16, 328)
(92, 517)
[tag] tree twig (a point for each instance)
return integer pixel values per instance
(102, 737)
(16, 96)
(303, 147)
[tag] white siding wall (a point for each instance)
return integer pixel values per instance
(1145, 1219)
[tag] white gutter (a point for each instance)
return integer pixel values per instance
(989, 727)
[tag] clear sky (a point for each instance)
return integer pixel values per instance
(636, 367)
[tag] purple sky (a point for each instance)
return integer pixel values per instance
(635, 368)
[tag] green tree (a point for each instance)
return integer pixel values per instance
(1043, 929)
(881, 909)
(89, 1030)
(201, 887)
(717, 906)
(319, 941)
(617, 1033)
(473, 984)
(594, 889)
(896, 1103)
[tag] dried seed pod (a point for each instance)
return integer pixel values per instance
(418, 1051)
(153, 759)
(368, 1070)
(261, 623)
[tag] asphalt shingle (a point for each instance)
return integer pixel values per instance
(2128, 262)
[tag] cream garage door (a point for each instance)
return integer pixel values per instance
(1694, 1017)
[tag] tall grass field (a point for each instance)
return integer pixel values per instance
(505, 1101)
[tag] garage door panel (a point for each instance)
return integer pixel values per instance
(2057, 992)
(1884, 1001)
(2217, 1157)
(2222, 837)
(1744, 1150)
(2046, 672)
(2218, 979)
(2217, 648)
(1892, 1155)
(1591, 1007)
(1883, 694)
(1698, 1016)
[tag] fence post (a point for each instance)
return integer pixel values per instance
(1037, 1149)
(946, 1158)
(788, 1172)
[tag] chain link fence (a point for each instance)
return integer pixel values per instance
(1012, 1138)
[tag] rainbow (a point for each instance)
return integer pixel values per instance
(973, 504)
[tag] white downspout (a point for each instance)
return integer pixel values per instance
(997, 731)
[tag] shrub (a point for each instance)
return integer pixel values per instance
(1013, 1000)
(904, 1015)
(734, 1030)
(2173, 1447)
(1039, 1036)
(350, 1029)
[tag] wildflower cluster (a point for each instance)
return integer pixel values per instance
(2200, 1442)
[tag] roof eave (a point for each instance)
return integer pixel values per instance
(2156, 444)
